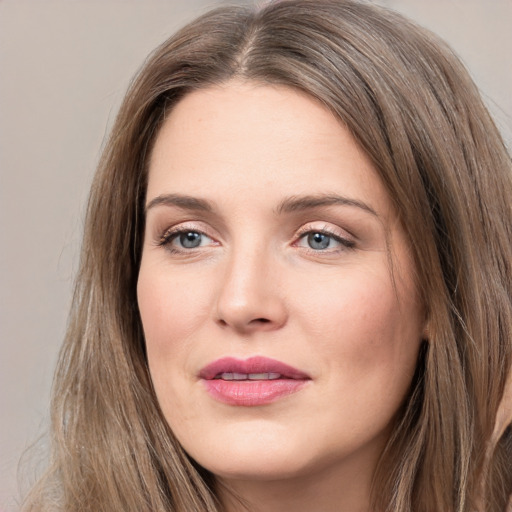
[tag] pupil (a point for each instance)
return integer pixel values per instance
(190, 240)
(318, 241)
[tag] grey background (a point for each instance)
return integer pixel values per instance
(64, 66)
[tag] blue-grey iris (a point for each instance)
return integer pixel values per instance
(318, 241)
(190, 240)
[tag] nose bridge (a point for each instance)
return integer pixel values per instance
(249, 297)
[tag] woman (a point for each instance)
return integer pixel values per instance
(295, 286)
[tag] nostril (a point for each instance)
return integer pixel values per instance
(254, 322)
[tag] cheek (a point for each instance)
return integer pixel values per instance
(171, 307)
(367, 329)
(369, 338)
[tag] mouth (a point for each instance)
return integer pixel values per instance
(248, 376)
(251, 382)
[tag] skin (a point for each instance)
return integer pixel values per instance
(256, 286)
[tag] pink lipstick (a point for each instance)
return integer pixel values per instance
(251, 382)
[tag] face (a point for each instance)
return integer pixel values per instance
(276, 287)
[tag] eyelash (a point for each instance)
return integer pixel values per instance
(345, 243)
(172, 234)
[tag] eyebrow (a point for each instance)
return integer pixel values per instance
(181, 201)
(298, 203)
(288, 205)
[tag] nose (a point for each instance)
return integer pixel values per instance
(251, 297)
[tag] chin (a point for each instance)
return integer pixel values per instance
(263, 469)
(251, 452)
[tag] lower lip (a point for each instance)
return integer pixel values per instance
(250, 393)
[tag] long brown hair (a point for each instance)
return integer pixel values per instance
(414, 110)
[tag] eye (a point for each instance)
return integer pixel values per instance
(185, 239)
(323, 241)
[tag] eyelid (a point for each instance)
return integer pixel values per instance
(167, 235)
(346, 240)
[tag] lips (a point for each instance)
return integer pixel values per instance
(251, 382)
(253, 366)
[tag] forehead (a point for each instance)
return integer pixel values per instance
(259, 141)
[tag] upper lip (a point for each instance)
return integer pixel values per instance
(252, 365)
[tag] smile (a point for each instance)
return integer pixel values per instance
(251, 382)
